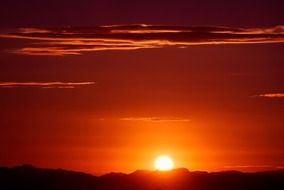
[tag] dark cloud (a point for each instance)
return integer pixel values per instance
(76, 40)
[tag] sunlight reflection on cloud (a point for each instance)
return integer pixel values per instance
(77, 40)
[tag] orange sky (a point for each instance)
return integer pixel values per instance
(203, 85)
(200, 105)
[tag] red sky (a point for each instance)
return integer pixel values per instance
(102, 99)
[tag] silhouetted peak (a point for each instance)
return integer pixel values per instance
(141, 172)
(29, 177)
(31, 170)
(176, 171)
(181, 171)
(114, 175)
(25, 167)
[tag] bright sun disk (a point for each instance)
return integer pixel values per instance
(164, 163)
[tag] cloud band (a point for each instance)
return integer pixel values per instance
(44, 84)
(77, 40)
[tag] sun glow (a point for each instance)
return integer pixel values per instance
(164, 163)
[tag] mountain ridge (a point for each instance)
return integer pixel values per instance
(30, 177)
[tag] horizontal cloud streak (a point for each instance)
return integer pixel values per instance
(272, 95)
(155, 119)
(44, 84)
(258, 167)
(76, 40)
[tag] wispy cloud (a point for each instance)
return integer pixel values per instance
(156, 119)
(44, 84)
(77, 40)
(271, 95)
(252, 167)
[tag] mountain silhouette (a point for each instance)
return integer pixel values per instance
(32, 178)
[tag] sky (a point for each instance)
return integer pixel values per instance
(107, 86)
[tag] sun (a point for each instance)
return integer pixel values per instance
(164, 163)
